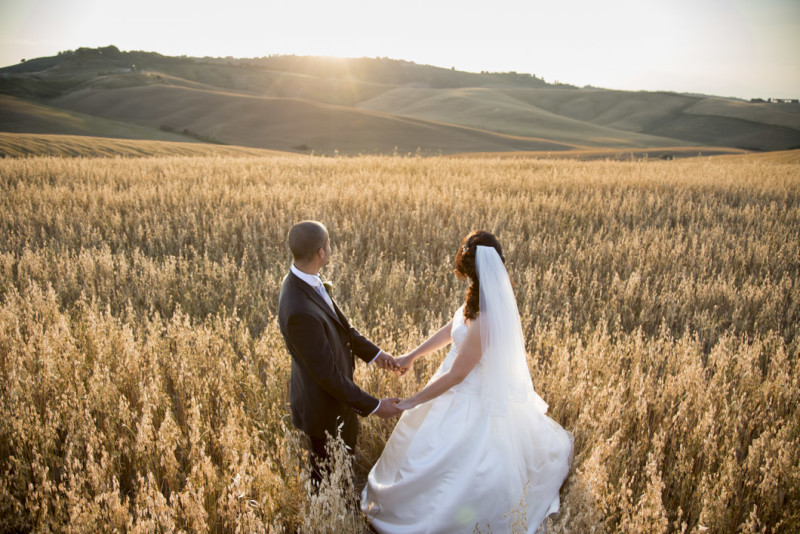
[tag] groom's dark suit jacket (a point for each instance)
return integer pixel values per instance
(322, 345)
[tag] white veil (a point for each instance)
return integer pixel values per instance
(507, 380)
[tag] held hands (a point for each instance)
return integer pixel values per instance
(405, 363)
(399, 366)
(386, 361)
(388, 408)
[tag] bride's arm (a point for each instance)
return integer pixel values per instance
(438, 340)
(467, 358)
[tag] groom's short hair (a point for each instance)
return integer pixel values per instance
(306, 238)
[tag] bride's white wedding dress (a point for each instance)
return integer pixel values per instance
(453, 463)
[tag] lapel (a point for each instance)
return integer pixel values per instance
(318, 300)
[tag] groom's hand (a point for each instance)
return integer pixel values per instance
(386, 361)
(388, 408)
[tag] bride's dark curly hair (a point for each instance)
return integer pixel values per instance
(465, 267)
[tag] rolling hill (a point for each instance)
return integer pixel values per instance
(495, 110)
(288, 123)
(21, 145)
(366, 105)
(705, 120)
(24, 116)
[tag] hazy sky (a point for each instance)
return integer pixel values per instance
(744, 48)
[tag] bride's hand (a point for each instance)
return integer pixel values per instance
(405, 362)
(405, 404)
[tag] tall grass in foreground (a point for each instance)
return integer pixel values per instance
(143, 378)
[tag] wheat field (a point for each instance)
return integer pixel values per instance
(144, 379)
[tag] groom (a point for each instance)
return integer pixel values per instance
(322, 345)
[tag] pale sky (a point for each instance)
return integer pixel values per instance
(742, 48)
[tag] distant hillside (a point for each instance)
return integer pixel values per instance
(711, 121)
(394, 72)
(21, 145)
(24, 116)
(364, 105)
(288, 124)
(497, 110)
(256, 73)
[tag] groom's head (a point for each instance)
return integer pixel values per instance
(308, 241)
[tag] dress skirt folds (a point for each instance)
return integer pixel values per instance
(451, 466)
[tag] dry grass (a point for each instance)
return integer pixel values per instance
(782, 156)
(620, 154)
(143, 377)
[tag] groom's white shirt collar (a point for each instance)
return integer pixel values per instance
(311, 279)
(315, 281)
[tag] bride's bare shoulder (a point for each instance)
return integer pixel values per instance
(474, 325)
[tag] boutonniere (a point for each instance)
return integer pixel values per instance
(328, 285)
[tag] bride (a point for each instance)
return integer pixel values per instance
(474, 448)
